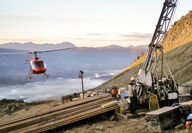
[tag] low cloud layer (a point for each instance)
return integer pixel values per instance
(50, 89)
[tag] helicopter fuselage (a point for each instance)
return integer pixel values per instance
(37, 66)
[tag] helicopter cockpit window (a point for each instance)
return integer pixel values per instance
(37, 64)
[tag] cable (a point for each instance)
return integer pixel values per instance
(175, 12)
(170, 73)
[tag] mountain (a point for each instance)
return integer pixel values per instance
(30, 46)
(178, 52)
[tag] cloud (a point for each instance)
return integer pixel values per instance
(137, 36)
(31, 14)
(130, 37)
(24, 40)
(95, 34)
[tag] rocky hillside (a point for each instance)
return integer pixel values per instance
(179, 34)
(178, 53)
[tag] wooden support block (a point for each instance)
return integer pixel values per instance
(167, 117)
(121, 116)
(188, 103)
(163, 118)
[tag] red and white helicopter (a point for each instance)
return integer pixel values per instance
(37, 66)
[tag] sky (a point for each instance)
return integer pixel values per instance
(91, 23)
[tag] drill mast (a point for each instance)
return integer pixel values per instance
(144, 75)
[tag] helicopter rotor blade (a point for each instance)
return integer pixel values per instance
(31, 52)
(35, 52)
(11, 53)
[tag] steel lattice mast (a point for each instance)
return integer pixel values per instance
(144, 75)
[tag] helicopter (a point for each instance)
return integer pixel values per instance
(37, 66)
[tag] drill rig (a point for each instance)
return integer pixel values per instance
(149, 79)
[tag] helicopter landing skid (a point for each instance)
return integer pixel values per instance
(29, 75)
(45, 75)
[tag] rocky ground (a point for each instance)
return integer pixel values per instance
(99, 124)
(14, 109)
(17, 109)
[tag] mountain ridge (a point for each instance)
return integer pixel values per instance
(30, 46)
(179, 34)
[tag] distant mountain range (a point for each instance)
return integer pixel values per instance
(30, 46)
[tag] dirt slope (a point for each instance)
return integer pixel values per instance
(178, 53)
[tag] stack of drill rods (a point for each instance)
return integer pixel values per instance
(74, 118)
(61, 107)
(54, 115)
